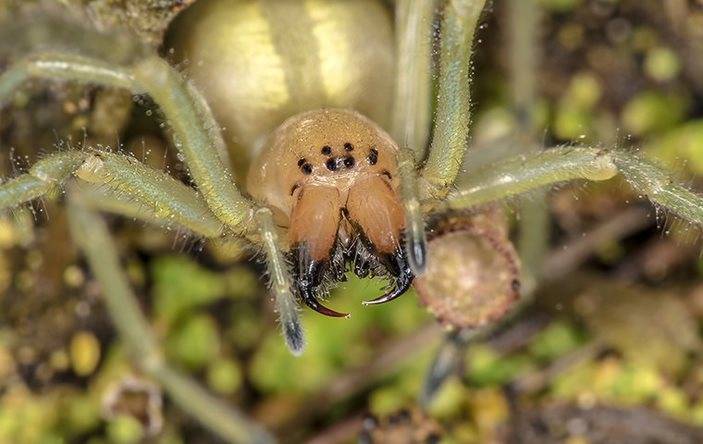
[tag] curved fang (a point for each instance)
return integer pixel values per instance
(393, 294)
(397, 265)
(309, 276)
(312, 302)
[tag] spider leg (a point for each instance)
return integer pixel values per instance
(280, 283)
(156, 194)
(415, 238)
(453, 115)
(309, 278)
(401, 274)
(195, 131)
(119, 184)
(413, 86)
(525, 173)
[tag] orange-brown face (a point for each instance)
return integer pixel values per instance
(330, 177)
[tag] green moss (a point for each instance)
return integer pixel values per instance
(224, 376)
(662, 64)
(450, 400)
(557, 339)
(485, 367)
(653, 111)
(680, 147)
(195, 343)
(125, 429)
(180, 285)
(333, 344)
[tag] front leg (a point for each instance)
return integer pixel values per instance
(453, 115)
(521, 174)
(194, 128)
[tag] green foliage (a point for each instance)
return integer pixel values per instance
(680, 147)
(195, 343)
(224, 376)
(181, 285)
(662, 64)
(334, 344)
(557, 339)
(125, 429)
(574, 114)
(487, 368)
(653, 111)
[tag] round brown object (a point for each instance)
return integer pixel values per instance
(473, 271)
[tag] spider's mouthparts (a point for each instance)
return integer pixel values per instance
(399, 268)
(309, 278)
(311, 301)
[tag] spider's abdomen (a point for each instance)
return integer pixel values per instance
(259, 62)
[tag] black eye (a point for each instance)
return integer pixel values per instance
(326, 150)
(349, 161)
(373, 156)
(348, 147)
(301, 162)
(306, 168)
(331, 164)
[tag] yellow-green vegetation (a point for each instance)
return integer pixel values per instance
(622, 330)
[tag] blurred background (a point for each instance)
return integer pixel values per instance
(607, 344)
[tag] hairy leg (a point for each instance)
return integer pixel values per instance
(194, 129)
(453, 115)
(130, 188)
(415, 237)
(412, 106)
(525, 173)
(41, 179)
(92, 236)
(280, 282)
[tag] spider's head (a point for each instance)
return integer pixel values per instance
(331, 175)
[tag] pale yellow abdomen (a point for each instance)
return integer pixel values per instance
(259, 62)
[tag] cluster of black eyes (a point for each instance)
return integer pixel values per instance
(335, 163)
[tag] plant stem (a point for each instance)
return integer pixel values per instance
(91, 234)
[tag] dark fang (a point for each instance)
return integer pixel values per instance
(398, 267)
(312, 302)
(309, 278)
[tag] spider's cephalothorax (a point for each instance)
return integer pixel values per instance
(331, 177)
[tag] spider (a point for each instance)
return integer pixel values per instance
(328, 189)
